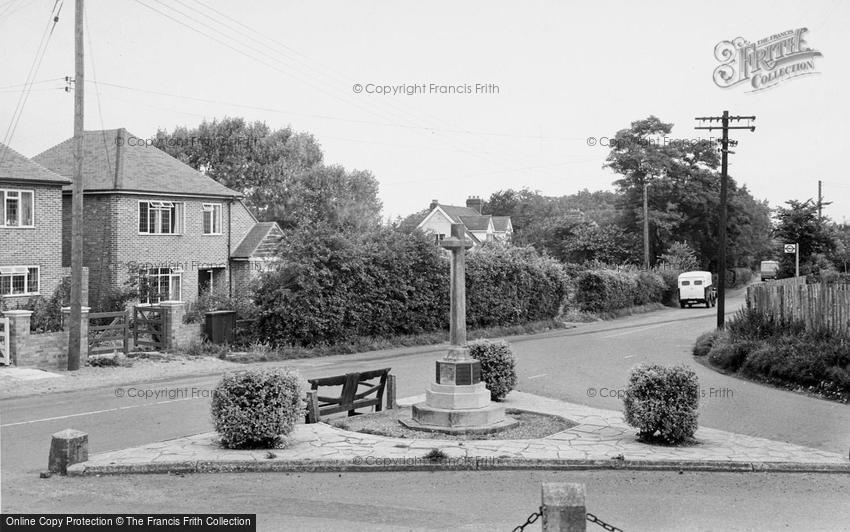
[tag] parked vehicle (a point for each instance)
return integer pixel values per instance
(697, 287)
(768, 269)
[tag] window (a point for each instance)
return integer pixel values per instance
(698, 283)
(212, 218)
(160, 218)
(19, 280)
(686, 283)
(159, 284)
(16, 208)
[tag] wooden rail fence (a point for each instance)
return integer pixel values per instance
(819, 306)
(106, 330)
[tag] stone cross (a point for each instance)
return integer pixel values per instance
(457, 243)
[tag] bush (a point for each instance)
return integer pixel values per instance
(738, 277)
(498, 368)
(705, 342)
(731, 355)
(253, 409)
(603, 290)
(661, 402)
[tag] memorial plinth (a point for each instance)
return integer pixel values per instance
(458, 402)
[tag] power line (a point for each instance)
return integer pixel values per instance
(307, 81)
(33, 71)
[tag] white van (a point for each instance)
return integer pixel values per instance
(696, 287)
(768, 269)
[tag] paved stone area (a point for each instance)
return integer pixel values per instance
(600, 440)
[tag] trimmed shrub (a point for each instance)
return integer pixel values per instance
(650, 288)
(498, 368)
(661, 402)
(605, 290)
(253, 409)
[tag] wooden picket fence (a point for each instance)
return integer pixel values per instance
(819, 306)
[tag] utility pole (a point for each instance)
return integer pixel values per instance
(645, 225)
(820, 200)
(74, 333)
(724, 178)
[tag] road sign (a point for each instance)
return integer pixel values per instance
(790, 248)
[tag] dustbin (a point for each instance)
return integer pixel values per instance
(219, 326)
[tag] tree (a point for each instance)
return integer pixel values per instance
(279, 172)
(800, 224)
(683, 195)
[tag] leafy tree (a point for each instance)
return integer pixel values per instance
(683, 195)
(799, 223)
(279, 172)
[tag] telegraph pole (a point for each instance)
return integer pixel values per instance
(724, 178)
(820, 200)
(74, 333)
(645, 226)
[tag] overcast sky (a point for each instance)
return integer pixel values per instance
(560, 72)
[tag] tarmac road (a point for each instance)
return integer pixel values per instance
(586, 365)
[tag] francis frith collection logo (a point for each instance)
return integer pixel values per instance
(765, 63)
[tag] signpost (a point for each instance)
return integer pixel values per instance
(795, 249)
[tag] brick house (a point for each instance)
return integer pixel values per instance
(30, 229)
(479, 227)
(151, 219)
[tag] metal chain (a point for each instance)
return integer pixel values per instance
(610, 528)
(531, 518)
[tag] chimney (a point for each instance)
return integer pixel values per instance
(433, 205)
(474, 202)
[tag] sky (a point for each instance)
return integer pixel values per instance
(531, 83)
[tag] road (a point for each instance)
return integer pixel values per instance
(586, 365)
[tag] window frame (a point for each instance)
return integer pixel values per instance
(4, 196)
(26, 279)
(212, 208)
(154, 211)
(162, 277)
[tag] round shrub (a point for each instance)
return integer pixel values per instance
(661, 402)
(253, 409)
(498, 368)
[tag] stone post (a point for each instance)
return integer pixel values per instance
(563, 507)
(67, 447)
(19, 331)
(172, 320)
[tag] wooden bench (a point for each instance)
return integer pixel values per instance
(353, 396)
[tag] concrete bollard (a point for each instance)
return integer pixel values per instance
(563, 507)
(67, 447)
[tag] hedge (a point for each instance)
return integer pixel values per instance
(336, 287)
(602, 291)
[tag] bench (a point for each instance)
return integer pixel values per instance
(357, 392)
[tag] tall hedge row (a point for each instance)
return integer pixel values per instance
(610, 290)
(332, 287)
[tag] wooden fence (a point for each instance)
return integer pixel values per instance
(819, 306)
(148, 327)
(108, 332)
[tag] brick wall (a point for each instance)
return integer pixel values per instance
(99, 243)
(39, 246)
(47, 350)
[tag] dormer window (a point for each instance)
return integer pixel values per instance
(160, 218)
(16, 208)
